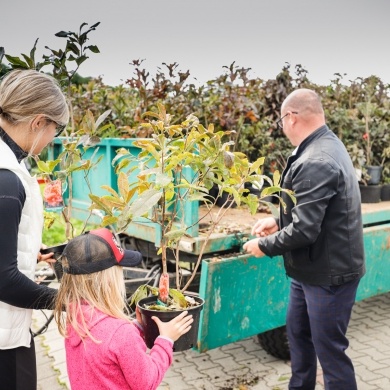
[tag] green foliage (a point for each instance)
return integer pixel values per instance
(179, 163)
(55, 233)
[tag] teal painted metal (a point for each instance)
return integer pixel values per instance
(377, 251)
(244, 296)
(104, 174)
(376, 216)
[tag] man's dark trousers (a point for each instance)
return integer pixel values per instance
(317, 322)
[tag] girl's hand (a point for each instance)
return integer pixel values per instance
(176, 327)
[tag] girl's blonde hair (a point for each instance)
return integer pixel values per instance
(24, 94)
(103, 290)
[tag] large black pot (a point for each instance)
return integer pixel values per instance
(151, 331)
(370, 194)
(385, 192)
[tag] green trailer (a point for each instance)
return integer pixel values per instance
(244, 296)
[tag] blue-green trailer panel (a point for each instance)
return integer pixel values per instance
(246, 295)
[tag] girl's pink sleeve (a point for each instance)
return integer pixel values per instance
(142, 370)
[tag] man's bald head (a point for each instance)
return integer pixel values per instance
(302, 114)
(304, 101)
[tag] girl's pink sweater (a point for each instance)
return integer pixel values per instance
(120, 361)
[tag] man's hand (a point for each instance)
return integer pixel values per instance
(252, 248)
(264, 227)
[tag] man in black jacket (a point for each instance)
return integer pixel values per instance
(321, 240)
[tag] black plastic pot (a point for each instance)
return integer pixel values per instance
(57, 250)
(151, 331)
(370, 194)
(375, 172)
(385, 192)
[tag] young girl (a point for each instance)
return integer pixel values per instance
(104, 348)
(32, 112)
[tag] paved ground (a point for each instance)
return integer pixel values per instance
(245, 365)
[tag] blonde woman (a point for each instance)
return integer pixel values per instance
(32, 111)
(104, 348)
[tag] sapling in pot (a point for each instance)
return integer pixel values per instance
(180, 163)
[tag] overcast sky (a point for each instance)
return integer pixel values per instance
(325, 37)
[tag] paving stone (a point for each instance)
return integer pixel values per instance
(203, 363)
(175, 383)
(366, 375)
(221, 368)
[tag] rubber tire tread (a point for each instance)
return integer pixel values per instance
(275, 343)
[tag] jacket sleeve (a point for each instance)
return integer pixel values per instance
(315, 182)
(142, 371)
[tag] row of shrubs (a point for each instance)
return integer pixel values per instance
(358, 111)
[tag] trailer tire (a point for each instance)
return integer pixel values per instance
(275, 343)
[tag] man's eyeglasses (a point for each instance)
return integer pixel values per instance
(279, 121)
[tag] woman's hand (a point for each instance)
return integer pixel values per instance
(48, 257)
(176, 327)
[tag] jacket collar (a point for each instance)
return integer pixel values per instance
(20, 154)
(308, 140)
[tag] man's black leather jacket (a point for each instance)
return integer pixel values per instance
(321, 236)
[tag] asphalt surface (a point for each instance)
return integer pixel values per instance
(244, 365)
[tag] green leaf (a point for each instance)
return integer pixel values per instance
(123, 184)
(112, 202)
(101, 118)
(95, 25)
(48, 166)
(269, 191)
(71, 46)
(163, 180)
(43, 167)
(141, 292)
(29, 61)
(81, 59)
(62, 34)
(93, 48)
(257, 164)
(178, 297)
(276, 178)
(110, 190)
(175, 234)
(16, 61)
(99, 204)
(145, 202)
(84, 165)
(109, 220)
(121, 165)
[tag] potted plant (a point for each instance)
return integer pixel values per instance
(369, 160)
(385, 192)
(178, 164)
